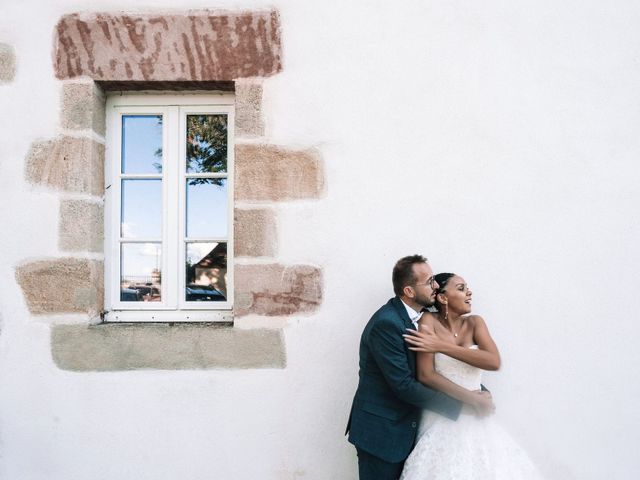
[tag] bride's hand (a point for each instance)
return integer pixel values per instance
(420, 341)
(483, 404)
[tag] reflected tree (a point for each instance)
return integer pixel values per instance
(158, 152)
(206, 147)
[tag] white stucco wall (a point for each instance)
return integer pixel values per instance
(498, 138)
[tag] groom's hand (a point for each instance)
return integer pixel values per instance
(425, 342)
(483, 404)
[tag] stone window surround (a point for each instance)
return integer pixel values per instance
(266, 174)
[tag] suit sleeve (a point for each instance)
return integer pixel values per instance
(388, 350)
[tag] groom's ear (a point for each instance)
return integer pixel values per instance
(409, 291)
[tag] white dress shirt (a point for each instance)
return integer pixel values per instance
(413, 315)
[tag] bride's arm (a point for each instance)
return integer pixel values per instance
(486, 356)
(427, 375)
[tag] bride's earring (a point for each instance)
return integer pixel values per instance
(446, 312)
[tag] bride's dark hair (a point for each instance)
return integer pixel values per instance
(442, 279)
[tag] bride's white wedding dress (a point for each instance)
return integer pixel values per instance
(470, 448)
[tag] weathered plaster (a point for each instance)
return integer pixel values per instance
(110, 347)
(196, 46)
(275, 173)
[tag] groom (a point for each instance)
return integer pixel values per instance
(388, 402)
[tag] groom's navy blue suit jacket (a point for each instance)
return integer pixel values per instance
(388, 402)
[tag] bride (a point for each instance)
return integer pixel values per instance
(473, 447)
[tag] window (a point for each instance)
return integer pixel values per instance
(169, 207)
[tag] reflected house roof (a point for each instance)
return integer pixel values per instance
(216, 258)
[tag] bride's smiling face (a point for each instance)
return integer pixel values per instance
(457, 295)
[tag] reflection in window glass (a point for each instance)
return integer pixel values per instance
(142, 144)
(141, 209)
(206, 272)
(206, 207)
(206, 143)
(141, 272)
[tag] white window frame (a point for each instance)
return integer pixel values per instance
(174, 108)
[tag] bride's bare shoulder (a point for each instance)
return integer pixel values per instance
(428, 319)
(475, 321)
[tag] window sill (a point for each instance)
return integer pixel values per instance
(169, 316)
(163, 346)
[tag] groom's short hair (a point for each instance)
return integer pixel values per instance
(403, 272)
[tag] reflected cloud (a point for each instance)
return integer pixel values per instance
(128, 229)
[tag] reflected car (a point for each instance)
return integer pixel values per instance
(130, 295)
(148, 293)
(203, 293)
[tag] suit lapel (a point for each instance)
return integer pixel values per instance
(402, 312)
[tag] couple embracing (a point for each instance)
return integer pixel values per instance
(420, 411)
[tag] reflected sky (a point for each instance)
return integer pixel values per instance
(140, 260)
(142, 144)
(142, 209)
(207, 208)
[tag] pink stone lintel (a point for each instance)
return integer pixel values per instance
(200, 46)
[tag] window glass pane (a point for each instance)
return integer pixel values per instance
(206, 207)
(206, 272)
(141, 276)
(142, 144)
(206, 143)
(141, 209)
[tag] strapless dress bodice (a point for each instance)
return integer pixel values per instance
(458, 372)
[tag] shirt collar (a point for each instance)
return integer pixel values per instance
(413, 315)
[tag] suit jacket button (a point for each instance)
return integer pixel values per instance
(414, 424)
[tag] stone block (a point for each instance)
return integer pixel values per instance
(254, 233)
(81, 226)
(275, 289)
(249, 121)
(272, 173)
(7, 63)
(196, 46)
(112, 347)
(62, 285)
(83, 107)
(67, 163)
